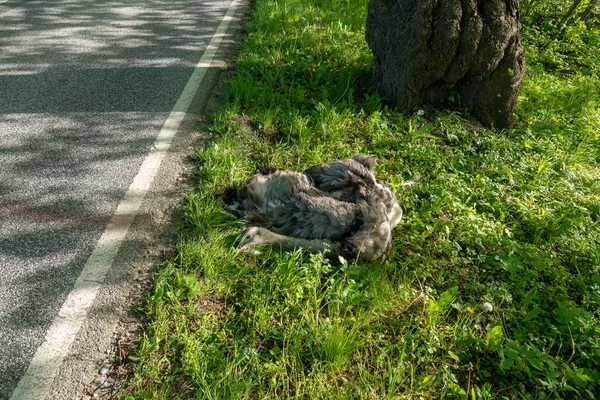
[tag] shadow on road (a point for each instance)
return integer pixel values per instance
(85, 87)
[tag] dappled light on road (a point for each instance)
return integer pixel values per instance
(85, 87)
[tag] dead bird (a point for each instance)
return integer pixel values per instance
(337, 207)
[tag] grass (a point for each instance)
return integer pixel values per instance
(509, 218)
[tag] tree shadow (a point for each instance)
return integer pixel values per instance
(84, 89)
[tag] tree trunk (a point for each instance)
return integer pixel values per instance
(427, 50)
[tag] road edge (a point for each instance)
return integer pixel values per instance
(120, 262)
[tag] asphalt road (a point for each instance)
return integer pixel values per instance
(85, 87)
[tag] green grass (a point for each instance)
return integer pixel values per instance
(506, 217)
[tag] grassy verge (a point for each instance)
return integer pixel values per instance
(509, 218)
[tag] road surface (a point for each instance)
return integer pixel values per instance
(85, 89)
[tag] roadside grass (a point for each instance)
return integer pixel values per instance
(509, 218)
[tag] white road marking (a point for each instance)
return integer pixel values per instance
(49, 356)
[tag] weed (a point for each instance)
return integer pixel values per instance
(492, 286)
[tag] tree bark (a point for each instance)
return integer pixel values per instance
(426, 50)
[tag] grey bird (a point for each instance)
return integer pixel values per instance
(337, 207)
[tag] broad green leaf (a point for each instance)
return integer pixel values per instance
(581, 374)
(493, 339)
(507, 363)
(427, 380)
(533, 360)
(447, 297)
(532, 314)
(433, 307)
(453, 356)
(511, 353)
(456, 389)
(528, 297)
(519, 363)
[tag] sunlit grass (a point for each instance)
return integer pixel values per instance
(509, 218)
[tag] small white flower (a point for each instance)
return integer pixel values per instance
(487, 306)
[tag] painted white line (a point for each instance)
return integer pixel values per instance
(49, 356)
